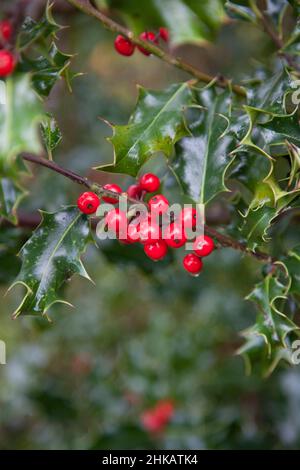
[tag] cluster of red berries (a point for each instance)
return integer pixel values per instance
(125, 47)
(155, 419)
(146, 229)
(7, 60)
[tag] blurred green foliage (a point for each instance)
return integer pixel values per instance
(145, 331)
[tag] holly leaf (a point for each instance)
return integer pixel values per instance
(155, 126)
(32, 31)
(11, 194)
(46, 69)
(51, 134)
(279, 129)
(292, 263)
(19, 121)
(255, 225)
(201, 160)
(270, 334)
(269, 96)
(50, 257)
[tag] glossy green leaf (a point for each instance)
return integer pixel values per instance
(19, 121)
(281, 128)
(51, 134)
(11, 195)
(188, 20)
(46, 69)
(201, 160)
(269, 96)
(270, 334)
(255, 225)
(155, 126)
(50, 257)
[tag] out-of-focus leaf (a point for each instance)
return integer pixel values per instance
(50, 257)
(188, 20)
(11, 240)
(156, 125)
(201, 160)
(240, 12)
(19, 121)
(51, 134)
(11, 195)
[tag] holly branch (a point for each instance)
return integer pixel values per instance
(224, 240)
(86, 7)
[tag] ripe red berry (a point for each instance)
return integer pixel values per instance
(158, 204)
(192, 263)
(147, 36)
(149, 182)
(203, 245)
(7, 63)
(174, 235)
(88, 202)
(164, 34)
(124, 46)
(112, 187)
(132, 234)
(5, 29)
(149, 231)
(156, 250)
(116, 221)
(188, 217)
(134, 191)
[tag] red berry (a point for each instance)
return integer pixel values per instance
(164, 34)
(156, 250)
(149, 182)
(174, 235)
(134, 191)
(188, 217)
(5, 29)
(149, 231)
(116, 221)
(88, 202)
(158, 204)
(7, 63)
(132, 235)
(151, 422)
(165, 410)
(124, 46)
(147, 36)
(203, 245)
(192, 263)
(112, 187)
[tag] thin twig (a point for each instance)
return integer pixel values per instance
(86, 7)
(224, 240)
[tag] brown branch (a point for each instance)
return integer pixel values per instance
(224, 240)
(86, 7)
